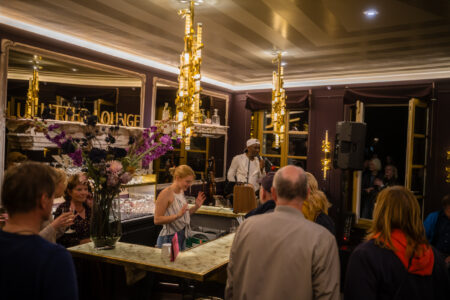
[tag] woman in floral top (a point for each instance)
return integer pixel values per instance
(75, 196)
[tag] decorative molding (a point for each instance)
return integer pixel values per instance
(22, 136)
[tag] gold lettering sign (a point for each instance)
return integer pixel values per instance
(61, 113)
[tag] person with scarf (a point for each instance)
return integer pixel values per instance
(396, 261)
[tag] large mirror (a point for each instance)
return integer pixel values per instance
(207, 151)
(41, 83)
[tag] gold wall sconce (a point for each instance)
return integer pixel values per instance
(326, 161)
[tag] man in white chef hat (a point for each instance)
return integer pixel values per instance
(247, 167)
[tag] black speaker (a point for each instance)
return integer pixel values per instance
(349, 145)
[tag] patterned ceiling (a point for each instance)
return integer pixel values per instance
(327, 41)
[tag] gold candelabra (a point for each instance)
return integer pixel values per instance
(32, 103)
(278, 103)
(188, 95)
(326, 161)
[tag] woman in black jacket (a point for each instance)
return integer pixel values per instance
(396, 262)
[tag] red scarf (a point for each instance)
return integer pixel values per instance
(420, 265)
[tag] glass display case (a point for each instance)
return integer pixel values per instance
(137, 199)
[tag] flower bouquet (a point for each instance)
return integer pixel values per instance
(108, 167)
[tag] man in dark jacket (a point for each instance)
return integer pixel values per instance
(265, 197)
(31, 267)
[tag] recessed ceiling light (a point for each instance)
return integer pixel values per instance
(283, 63)
(74, 69)
(370, 13)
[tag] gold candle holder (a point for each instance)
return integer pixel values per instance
(326, 161)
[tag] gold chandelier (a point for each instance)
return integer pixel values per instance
(278, 103)
(188, 95)
(32, 103)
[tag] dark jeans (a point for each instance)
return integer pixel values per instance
(162, 239)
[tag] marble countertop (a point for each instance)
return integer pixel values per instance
(217, 211)
(196, 263)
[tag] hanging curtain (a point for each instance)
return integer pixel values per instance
(263, 100)
(398, 94)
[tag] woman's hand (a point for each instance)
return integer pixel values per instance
(200, 199)
(63, 220)
(182, 211)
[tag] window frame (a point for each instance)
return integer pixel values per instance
(258, 124)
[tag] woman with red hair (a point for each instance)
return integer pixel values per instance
(396, 262)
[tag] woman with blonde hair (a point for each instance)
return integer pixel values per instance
(315, 208)
(171, 207)
(396, 261)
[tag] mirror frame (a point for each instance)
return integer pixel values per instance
(170, 83)
(7, 45)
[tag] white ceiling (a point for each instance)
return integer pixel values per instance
(327, 41)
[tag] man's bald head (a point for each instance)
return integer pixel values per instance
(290, 183)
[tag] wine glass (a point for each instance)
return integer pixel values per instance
(70, 230)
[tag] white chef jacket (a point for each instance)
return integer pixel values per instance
(243, 169)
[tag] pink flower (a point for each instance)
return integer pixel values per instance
(115, 166)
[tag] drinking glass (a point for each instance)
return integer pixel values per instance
(70, 230)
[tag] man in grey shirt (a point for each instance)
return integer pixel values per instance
(282, 255)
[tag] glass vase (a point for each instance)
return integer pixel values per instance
(106, 226)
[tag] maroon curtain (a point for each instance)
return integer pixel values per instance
(388, 94)
(263, 101)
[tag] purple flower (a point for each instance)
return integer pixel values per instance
(165, 140)
(96, 155)
(125, 178)
(68, 146)
(146, 161)
(77, 157)
(153, 128)
(53, 127)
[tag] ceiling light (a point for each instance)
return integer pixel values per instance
(74, 69)
(370, 13)
(283, 64)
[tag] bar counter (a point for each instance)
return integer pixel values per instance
(197, 263)
(217, 211)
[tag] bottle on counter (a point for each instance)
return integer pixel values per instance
(216, 118)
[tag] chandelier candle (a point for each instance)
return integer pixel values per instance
(278, 103)
(188, 95)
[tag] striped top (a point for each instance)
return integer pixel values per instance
(177, 225)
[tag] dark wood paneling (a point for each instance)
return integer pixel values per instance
(239, 122)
